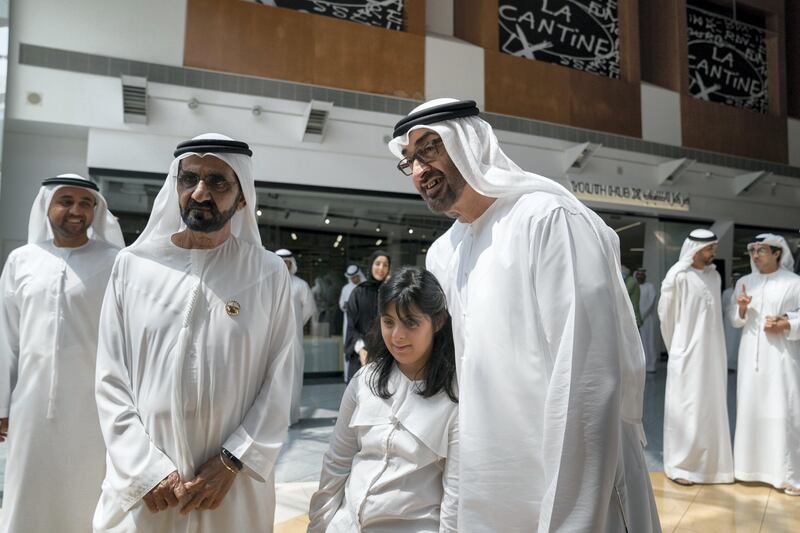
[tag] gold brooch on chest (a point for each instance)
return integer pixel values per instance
(232, 307)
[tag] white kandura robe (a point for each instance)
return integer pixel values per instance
(767, 440)
(732, 335)
(392, 465)
(178, 378)
(51, 300)
(304, 309)
(542, 440)
(697, 439)
(649, 328)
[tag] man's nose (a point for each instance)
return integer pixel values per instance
(419, 169)
(200, 192)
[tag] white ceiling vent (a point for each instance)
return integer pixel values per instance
(134, 99)
(315, 120)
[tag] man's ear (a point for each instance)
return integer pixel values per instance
(242, 202)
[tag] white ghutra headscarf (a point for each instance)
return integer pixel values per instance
(104, 225)
(165, 218)
(776, 241)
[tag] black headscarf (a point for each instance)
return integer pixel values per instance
(375, 255)
(362, 310)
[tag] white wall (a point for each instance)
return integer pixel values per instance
(144, 30)
(28, 158)
(453, 68)
(661, 115)
(793, 128)
(439, 17)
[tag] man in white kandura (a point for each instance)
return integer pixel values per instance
(195, 357)
(647, 310)
(767, 441)
(354, 277)
(52, 290)
(304, 309)
(550, 365)
(697, 437)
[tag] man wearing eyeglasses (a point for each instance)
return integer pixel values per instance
(767, 441)
(196, 356)
(549, 361)
(697, 439)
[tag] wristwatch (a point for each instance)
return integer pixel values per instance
(232, 458)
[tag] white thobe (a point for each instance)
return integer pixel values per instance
(697, 439)
(392, 465)
(767, 440)
(649, 328)
(180, 374)
(732, 335)
(304, 309)
(344, 297)
(542, 441)
(48, 341)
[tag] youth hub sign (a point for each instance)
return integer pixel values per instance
(579, 34)
(727, 61)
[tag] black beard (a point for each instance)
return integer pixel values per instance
(215, 220)
(444, 203)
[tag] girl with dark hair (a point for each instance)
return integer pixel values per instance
(361, 310)
(392, 464)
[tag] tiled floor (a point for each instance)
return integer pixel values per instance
(737, 508)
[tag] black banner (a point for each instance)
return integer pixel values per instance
(727, 61)
(382, 13)
(580, 34)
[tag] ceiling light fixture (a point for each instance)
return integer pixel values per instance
(294, 236)
(258, 212)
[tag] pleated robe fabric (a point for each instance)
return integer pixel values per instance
(304, 309)
(538, 337)
(196, 353)
(697, 439)
(767, 441)
(51, 299)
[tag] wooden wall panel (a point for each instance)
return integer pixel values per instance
(658, 38)
(521, 87)
(603, 104)
(475, 21)
(725, 129)
(271, 42)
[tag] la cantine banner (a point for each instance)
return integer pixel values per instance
(382, 13)
(579, 34)
(727, 61)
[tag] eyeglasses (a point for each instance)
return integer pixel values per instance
(214, 183)
(425, 155)
(758, 249)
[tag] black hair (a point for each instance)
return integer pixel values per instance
(413, 286)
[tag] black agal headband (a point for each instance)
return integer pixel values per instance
(439, 113)
(214, 146)
(72, 182)
(710, 238)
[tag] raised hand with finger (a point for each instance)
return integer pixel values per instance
(743, 300)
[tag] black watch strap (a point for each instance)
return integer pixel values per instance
(233, 459)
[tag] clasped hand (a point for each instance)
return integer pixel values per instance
(205, 491)
(776, 324)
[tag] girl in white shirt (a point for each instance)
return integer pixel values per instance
(392, 464)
